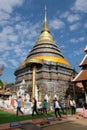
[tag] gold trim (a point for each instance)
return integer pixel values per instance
(39, 60)
(35, 60)
(52, 58)
(23, 63)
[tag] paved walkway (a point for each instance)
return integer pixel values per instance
(74, 124)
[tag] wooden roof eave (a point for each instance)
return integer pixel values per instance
(82, 76)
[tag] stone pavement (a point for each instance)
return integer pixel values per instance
(76, 124)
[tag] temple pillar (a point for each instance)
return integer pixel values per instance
(33, 81)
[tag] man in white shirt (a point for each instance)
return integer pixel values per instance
(19, 102)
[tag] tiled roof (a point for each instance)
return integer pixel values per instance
(82, 76)
(84, 61)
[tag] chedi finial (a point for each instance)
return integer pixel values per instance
(45, 27)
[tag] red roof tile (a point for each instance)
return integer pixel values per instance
(82, 76)
(84, 61)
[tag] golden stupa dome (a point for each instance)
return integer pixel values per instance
(45, 49)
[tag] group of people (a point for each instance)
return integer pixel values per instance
(64, 105)
(56, 104)
(34, 107)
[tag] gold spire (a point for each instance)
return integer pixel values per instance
(45, 27)
(45, 36)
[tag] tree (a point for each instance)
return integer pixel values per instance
(1, 84)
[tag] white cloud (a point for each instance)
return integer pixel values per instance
(62, 46)
(5, 54)
(16, 38)
(74, 40)
(85, 25)
(73, 17)
(7, 30)
(6, 8)
(4, 15)
(80, 5)
(65, 14)
(14, 62)
(4, 47)
(6, 35)
(56, 24)
(7, 5)
(18, 51)
(3, 62)
(78, 52)
(74, 26)
(13, 38)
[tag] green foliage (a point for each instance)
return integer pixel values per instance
(1, 84)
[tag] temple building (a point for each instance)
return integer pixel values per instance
(82, 75)
(45, 67)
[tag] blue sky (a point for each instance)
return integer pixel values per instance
(22, 20)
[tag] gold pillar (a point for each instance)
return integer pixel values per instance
(33, 81)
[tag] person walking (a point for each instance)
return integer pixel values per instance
(12, 103)
(45, 105)
(34, 107)
(73, 106)
(57, 108)
(62, 104)
(85, 110)
(67, 105)
(19, 103)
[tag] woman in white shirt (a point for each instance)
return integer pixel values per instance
(73, 106)
(57, 108)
